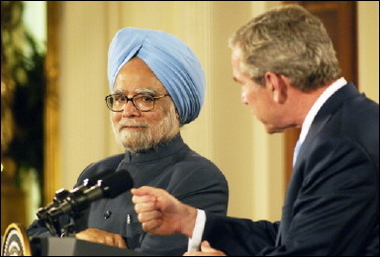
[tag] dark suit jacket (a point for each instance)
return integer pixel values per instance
(332, 202)
(174, 167)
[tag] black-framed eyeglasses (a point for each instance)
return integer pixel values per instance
(143, 103)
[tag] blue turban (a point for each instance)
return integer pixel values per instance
(172, 61)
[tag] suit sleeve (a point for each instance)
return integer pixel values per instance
(239, 237)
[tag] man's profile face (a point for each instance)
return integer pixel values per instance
(137, 130)
(259, 98)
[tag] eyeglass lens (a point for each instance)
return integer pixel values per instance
(141, 102)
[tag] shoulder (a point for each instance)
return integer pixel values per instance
(192, 171)
(339, 158)
(190, 161)
(355, 127)
(197, 181)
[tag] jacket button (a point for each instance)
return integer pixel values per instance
(107, 214)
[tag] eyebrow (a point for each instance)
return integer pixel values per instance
(148, 91)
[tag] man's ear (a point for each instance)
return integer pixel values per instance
(277, 85)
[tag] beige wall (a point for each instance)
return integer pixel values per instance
(225, 131)
(368, 34)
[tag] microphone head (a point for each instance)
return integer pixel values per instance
(93, 179)
(116, 183)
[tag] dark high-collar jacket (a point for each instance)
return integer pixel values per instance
(191, 178)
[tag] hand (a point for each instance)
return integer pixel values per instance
(161, 213)
(102, 237)
(206, 250)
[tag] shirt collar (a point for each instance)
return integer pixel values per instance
(318, 104)
(158, 152)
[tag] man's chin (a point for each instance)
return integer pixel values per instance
(273, 130)
(135, 143)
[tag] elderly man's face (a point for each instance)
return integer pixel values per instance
(137, 130)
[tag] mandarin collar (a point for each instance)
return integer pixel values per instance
(162, 151)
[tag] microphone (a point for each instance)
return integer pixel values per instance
(92, 180)
(87, 183)
(62, 194)
(108, 187)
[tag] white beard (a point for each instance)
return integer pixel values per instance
(148, 137)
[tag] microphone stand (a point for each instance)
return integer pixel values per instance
(50, 215)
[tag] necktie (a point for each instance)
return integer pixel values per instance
(296, 151)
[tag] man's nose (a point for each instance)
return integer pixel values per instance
(129, 109)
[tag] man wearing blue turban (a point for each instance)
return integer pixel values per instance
(156, 86)
(171, 61)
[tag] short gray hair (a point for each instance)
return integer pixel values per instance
(290, 41)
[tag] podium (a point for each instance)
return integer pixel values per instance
(69, 246)
(16, 242)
